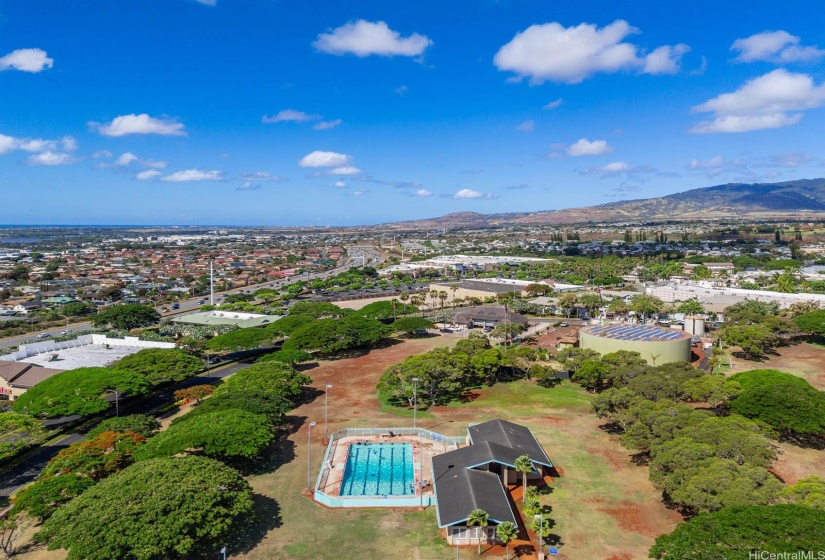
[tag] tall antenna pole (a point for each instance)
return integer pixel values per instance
(211, 284)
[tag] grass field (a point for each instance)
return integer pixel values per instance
(805, 360)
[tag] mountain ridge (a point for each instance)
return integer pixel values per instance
(754, 200)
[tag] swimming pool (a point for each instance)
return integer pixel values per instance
(379, 469)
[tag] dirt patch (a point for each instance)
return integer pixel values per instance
(793, 463)
(617, 459)
(620, 556)
(636, 518)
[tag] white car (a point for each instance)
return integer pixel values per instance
(44, 335)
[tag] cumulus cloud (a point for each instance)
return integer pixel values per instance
(618, 168)
(11, 143)
(192, 175)
(289, 115)
(713, 163)
(421, 193)
(49, 158)
(773, 100)
(571, 54)
(262, 176)
(139, 124)
(527, 126)
(401, 90)
(324, 159)
(553, 104)
(248, 186)
(344, 170)
(359, 192)
(148, 174)
(364, 38)
(791, 159)
(326, 125)
(339, 184)
(102, 154)
(469, 194)
(585, 147)
(779, 47)
(665, 59)
(26, 60)
(125, 159)
(207, 2)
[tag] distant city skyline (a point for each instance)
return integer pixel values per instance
(264, 112)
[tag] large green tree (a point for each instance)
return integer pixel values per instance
(126, 316)
(812, 323)
(161, 365)
(79, 391)
(318, 310)
(224, 434)
(96, 458)
(786, 402)
(330, 336)
(411, 324)
(241, 339)
(137, 423)
(737, 531)
(17, 432)
(289, 324)
(44, 496)
(754, 340)
(163, 509)
(267, 378)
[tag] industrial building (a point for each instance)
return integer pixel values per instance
(218, 317)
(656, 345)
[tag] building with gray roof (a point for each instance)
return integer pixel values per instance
(477, 477)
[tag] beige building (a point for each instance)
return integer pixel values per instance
(656, 345)
(18, 377)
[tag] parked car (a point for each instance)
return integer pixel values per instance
(564, 324)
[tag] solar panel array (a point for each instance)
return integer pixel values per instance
(637, 332)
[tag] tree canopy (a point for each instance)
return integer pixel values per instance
(734, 532)
(266, 378)
(811, 323)
(161, 365)
(241, 339)
(330, 336)
(318, 310)
(166, 508)
(126, 316)
(96, 458)
(18, 431)
(137, 423)
(386, 309)
(44, 496)
(411, 324)
(784, 401)
(225, 434)
(79, 391)
(289, 324)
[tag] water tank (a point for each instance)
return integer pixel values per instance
(695, 325)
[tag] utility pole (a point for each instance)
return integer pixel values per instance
(211, 283)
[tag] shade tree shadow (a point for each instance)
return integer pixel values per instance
(266, 516)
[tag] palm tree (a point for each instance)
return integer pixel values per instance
(442, 295)
(524, 465)
(404, 297)
(433, 297)
(454, 289)
(394, 303)
(481, 518)
(506, 532)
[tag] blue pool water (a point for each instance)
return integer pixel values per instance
(379, 469)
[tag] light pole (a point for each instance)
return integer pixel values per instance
(415, 402)
(117, 396)
(309, 446)
(326, 408)
(223, 553)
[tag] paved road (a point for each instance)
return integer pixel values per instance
(26, 471)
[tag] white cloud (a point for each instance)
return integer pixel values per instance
(148, 174)
(467, 194)
(190, 175)
(359, 192)
(585, 147)
(207, 2)
(363, 38)
(26, 60)
(326, 125)
(618, 168)
(527, 126)
(262, 176)
(345, 170)
(716, 162)
(401, 90)
(125, 159)
(665, 59)
(571, 54)
(553, 104)
(102, 154)
(779, 47)
(248, 186)
(422, 193)
(773, 100)
(339, 184)
(139, 124)
(49, 158)
(289, 115)
(34, 145)
(792, 159)
(324, 159)
(155, 164)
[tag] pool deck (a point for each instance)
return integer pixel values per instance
(423, 451)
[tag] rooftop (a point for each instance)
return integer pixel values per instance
(241, 320)
(646, 333)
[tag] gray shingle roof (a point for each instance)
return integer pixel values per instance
(510, 436)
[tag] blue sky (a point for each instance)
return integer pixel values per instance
(266, 112)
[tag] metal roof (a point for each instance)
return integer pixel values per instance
(646, 333)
